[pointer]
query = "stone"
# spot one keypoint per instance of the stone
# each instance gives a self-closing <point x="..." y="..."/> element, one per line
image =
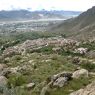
<point x="44" y="90"/>
<point x="30" y="85"/>
<point x="8" y="52"/>
<point x="77" y="92"/>
<point x="91" y="54"/>
<point x="2" y="66"/>
<point x="14" y="70"/>
<point x="76" y="60"/>
<point x="80" y="73"/>
<point x="56" y="49"/>
<point x="3" y="81"/>
<point x="81" y="50"/>
<point x="62" y="74"/>
<point x="60" y="82"/>
<point x="88" y="90"/>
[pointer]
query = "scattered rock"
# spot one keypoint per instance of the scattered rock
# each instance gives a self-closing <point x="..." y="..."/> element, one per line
<point x="32" y="45"/>
<point x="81" y="50"/>
<point x="60" y="82"/>
<point x="76" y="60"/>
<point x="44" y="90"/>
<point x="62" y="74"/>
<point x="79" y="73"/>
<point x="10" y="52"/>
<point x="56" y="49"/>
<point x="3" y="81"/>
<point x="2" y="67"/>
<point x="30" y="85"/>
<point x="9" y="70"/>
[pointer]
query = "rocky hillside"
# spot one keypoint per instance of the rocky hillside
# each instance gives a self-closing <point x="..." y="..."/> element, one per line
<point x="47" y="66"/>
<point x="81" y="27"/>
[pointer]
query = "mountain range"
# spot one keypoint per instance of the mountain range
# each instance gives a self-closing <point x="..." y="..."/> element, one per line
<point x="32" y="15"/>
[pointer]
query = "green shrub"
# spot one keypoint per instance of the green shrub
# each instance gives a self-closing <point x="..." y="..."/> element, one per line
<point x="16" y="80"/>
<point x="89" y="66"/>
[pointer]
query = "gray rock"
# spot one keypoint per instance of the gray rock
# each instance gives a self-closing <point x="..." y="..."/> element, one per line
<point x="30" y="85"/>
<point x="3" y="81"/>
<point x="88" y="90"/>
<point x="44" y="90"/>
<point x="2" y="66"/>
<point x="62" y="74"/>
<point x="76" y="60"/>
<point x="60" y="82"/>
<point x="79" y="73"/>
<point x="81" y="50"/>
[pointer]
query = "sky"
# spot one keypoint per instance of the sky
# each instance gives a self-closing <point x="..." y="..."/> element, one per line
<point x="74" y="5"/>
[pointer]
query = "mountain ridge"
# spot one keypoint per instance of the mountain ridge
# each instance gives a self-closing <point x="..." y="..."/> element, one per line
<point x="26" y="15"/>
<point x="80" y="27"/>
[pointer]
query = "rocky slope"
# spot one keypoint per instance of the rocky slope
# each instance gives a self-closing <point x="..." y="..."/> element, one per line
<point x="81" y="27"/>
<point x="47" y="66"/>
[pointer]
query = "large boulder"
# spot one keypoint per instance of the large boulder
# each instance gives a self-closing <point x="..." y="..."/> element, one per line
<point x="80" y="73"/>
<point x="3" y="81"/>
<point x="81" y="50"/>
<point x="89" y="90"/>
<point x="8" y="52"/>
<point x="62" y="74"/>
<point x="2" y="67"/>
<point x="60" y="82"/>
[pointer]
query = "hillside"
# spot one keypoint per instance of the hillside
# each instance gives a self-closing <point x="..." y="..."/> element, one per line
<point x="81" y="27"/>
<point x="46" y="66"/>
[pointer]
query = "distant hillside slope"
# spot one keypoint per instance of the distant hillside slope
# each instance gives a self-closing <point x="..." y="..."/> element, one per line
<point x="42" y="14"/>
<point x="81" y="27"/>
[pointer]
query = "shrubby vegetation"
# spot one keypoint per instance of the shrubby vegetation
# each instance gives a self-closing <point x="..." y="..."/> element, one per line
<point x="40" y="64"/>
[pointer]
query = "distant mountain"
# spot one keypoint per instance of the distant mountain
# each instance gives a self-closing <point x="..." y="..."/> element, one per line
<point x="81" y="27"/>
<point x="29" y="15"/>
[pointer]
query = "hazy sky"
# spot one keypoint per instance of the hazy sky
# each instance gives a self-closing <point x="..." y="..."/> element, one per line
<point x="77" y="5"/>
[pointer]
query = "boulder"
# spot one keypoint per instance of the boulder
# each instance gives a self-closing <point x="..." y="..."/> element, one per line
<point x="76" y="60"/>
<point x="60" y="82"/>
<point x="14" y="70"/>
<point x="30" y="85"/>
<point x="8" y="71"/>
<point x="44" y="90"/>
<point x="62" y="74"/>
<point x="80" y="73"/>
<point x="2" y="66"/>
<point x="3" y="81"/>
<point x="88" y="90"/>
<point x="81" y="50"/>
<point x="55" y="49"/>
